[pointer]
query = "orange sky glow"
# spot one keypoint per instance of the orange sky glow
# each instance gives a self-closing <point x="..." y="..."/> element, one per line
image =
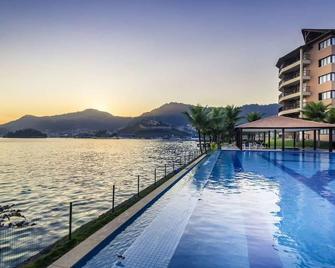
<point x="126" y="58"/>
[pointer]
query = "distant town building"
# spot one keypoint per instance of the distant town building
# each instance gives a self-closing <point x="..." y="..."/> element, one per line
<point x="307" y="73"/>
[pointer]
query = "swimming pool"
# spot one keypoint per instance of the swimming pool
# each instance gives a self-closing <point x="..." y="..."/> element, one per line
<point x="235" y="209"/>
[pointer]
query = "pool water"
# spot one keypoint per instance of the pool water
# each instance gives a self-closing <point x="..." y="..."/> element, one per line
<point x="236" y="209"/>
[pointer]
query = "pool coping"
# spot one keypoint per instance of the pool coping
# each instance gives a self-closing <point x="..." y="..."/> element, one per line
<point x="72" y="257"/>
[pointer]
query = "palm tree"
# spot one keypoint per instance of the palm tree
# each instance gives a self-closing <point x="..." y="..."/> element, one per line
<point x="232" y="116"/>
<point x="315" y="111"/>
<point x="331" y="116"/>
<point x="205" y="126"/>
<point x="216" y="125"/>
<point x="253" y="116"/>
<point x="198" y="118"/>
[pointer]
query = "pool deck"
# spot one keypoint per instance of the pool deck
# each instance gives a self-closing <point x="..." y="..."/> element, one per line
<point x="80" y="251"/>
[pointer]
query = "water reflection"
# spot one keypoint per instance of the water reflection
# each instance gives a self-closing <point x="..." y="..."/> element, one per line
<point x="42" y="176"/>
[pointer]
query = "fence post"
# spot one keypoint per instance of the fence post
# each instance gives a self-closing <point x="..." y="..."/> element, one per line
<point x="138" y="185"/>
<point x="165" y="171"/>
<point x="113" y="198"/>
<point x="155" y="176"/>
<point x="70" y="222"/>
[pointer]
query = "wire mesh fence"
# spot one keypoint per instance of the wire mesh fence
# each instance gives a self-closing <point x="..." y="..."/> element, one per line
<point x="18" y="242"/>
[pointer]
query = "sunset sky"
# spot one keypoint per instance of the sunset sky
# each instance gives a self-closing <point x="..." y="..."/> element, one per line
<point x="127" y="57"/>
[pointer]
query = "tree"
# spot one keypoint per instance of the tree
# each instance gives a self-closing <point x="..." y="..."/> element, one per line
<point x="315" y="111"/>
<point x="232" y="116"/>
<point x="253" y="116"/>
<point x="26" y="133"/>
<point x="331" y="116"/>
<point x="216" y="125"/>
<point x="198" y="117"/>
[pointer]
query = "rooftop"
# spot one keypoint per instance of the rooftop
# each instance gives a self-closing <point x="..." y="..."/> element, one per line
<point x="310" y="36"/>
<point x="279" y="122"/>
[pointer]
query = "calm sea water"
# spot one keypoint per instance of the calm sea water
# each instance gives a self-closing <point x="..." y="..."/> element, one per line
<point x="41" y="177"/>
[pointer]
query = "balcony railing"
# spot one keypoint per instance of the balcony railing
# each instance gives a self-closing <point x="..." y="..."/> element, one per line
<point x="305" y="72"/>
<point x="294" y="90"/>
<point x="291" y="76"/>
<point x="289" y="62"/>
<point x="306" y="56"/>
<point x="287" y="93"/>
<point x="289" y="107"/>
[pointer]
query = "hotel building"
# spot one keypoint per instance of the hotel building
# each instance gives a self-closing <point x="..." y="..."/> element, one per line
<point x="307" y="73"/>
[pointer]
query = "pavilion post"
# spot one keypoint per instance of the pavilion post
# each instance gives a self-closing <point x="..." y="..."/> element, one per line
<point x="239" y="138"/>
<point x="236" y="137"/>
<point x="283" y="139"/>
<point x="318" y="142"/>
<point x="314" y="139"/>
<point x="275" y="139"/>
<point x="269" y="136"/>
<point x="303" y="139"/>
<point x="294" y="138"/>
<point x="264" y="139"/>
<point x="330" y="140"/>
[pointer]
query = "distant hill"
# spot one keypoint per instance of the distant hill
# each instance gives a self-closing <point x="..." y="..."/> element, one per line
<point x="149" y="128"/>
<point x="87" y="120"/>
<point x="170" y="113"/>
<point x="169" y="117"/>
<point x="266" y="110"/>
<point x="3" y="131"/>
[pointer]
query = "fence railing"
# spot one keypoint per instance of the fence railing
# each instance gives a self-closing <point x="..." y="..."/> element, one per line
<point x="19" y="244"/>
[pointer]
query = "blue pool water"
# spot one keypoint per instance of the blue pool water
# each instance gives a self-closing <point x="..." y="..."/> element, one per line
<point x="236" y="209"/>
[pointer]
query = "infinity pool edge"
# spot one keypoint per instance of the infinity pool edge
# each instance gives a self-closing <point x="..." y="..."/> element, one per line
<point x="84" y="248"/>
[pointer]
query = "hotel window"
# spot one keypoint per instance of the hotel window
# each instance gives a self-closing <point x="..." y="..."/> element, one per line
<point x="327" y="95"/>
<point x="327" y="77"/>
<point x="327" y="43"/>
<point x="328" y="60"/>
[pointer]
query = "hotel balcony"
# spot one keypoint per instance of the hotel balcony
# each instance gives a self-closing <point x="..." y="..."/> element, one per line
<point x="289" y="109"/>
<point x="294" y="65"/>
<point x="294" y="79"/>
<point x="293" y="94"/>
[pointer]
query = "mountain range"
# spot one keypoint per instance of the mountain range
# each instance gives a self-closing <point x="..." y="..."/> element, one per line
<point x="164" y="121"/>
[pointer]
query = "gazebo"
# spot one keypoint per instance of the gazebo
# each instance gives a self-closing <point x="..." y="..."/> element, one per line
<point x="282" y="125"/>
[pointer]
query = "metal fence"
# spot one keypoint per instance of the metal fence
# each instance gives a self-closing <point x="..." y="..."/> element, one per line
<point x="17" y="244"/>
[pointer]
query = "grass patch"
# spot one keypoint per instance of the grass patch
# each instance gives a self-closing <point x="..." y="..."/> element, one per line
<point x="289" y="144"/>
<point x="63" y="245"/>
